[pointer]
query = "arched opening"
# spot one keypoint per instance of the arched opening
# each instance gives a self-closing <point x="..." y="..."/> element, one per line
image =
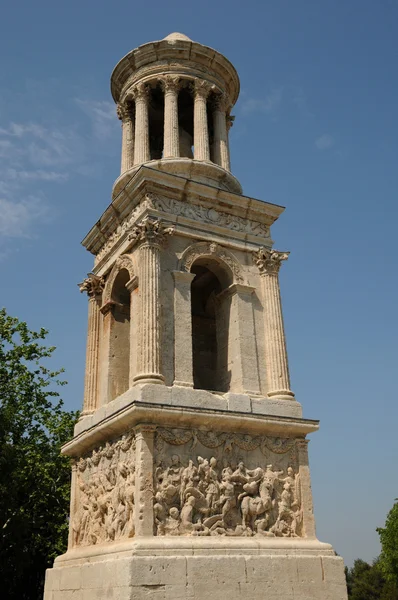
<point x="156" y="122"/>
<point x="185" y="120"/>
<point x="210" y="326"/>
<point x="119" y="340"/>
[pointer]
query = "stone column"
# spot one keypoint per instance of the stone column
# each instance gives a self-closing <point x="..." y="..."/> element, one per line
<point x="305" y="489"/>
<point x="200" y="129"/>
<point x="93" y="285"/>
<point x="245" y="376"/>
<point x="269" y="262"/>
<point x="183" y="367"/>
<point x="221" y="150"/>
<point x="150" y="234"/>
<point x="144" y="492"/>
<point x="125" y="114"/>
<point x="171" y="144"/>
<point x="132" y="287"/>
<point x="142" y="150"/>
<point x="229" y="122"/>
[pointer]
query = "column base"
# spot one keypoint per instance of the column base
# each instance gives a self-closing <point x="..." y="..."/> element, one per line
<point x="149" y="378"/>
<point x="281" y="395"/>
<point x="165" y="569"/>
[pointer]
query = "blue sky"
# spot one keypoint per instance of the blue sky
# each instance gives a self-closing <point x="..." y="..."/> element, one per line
<point x="316" y="131"/>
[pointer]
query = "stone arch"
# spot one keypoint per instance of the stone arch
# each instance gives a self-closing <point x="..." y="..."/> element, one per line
<point x="215" y="252"/>
<point x="123" y="262"/>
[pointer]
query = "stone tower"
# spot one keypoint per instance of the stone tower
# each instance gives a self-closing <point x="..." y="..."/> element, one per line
<point x="190" y="475"/>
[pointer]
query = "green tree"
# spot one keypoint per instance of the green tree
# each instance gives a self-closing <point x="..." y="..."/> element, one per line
<point x="34" y="477"/>
<point x="367" y="582"/>
<point x="389" y="545"/>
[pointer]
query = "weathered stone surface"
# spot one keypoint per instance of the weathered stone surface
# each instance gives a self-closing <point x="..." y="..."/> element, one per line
<point x="190" y="475"/>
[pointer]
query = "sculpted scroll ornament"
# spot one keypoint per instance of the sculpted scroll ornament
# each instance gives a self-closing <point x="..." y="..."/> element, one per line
<point x="92" y="285"/>
<point x="105" y="490"/>
<point x="269" y="261"/>
<point x="220" y="494"/>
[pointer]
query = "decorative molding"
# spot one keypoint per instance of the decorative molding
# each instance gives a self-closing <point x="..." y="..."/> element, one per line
<point x="213" y="250"/>
<point x="269" y="261"/>
<point x="92" y="285"/>
<point x="123" y="262"/>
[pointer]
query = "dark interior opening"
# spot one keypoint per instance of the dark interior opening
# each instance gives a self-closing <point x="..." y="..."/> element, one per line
<point x="185" y="119"/>
<point x="119" y="351"/>
<point x="156" y="122"/>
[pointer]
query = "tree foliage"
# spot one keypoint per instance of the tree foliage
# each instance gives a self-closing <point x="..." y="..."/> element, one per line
<point x="367" y="582"/>
<point x="34" y="477"/>
<point x="389" y="545"/>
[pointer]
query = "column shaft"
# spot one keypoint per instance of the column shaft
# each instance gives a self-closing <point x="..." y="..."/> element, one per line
<point x="275" y="342"/>
<point x="183" y="367"/>
<point x="142" y="149"/>
<point x="92" y="356"/>
<point x="125" y="115"/>
<point x="149" y="355"/>
<point x="144" y="493"/>
<point x="305" y="489"/>
<point x="171" y="144"/>
<point x="221" y="150"/>
<point x="73" y="504"/>
<point x="200" y="128"/>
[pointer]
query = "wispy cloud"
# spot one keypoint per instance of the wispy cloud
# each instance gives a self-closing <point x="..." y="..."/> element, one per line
<point x="18" y="217"/>
<point x="269" y="104"/>
<point x="324" y="142"/>
<point x="102" y="116"/>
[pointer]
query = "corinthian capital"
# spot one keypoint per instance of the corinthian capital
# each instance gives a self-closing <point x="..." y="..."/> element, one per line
<point x="124" y="111"/>
<point x="141" y="91"/>
<point x="202" y="88"/>
<point x="151" y="231"/>
<point x="170" y="83"/>
<point x="230" y="121"/>
<point x="220" y="102"/>
<point x="92" y="285"/>
<point x="269" y="261"/>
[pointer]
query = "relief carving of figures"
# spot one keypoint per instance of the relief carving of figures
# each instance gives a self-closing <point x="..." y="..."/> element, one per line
<point x="105" y="493"/>
<point x="218" y="492"/>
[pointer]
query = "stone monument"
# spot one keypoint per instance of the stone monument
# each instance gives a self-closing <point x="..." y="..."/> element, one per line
<point x="190" y="476"/>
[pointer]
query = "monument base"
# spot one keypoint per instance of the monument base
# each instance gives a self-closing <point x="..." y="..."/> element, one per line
<point x="199" y="569"/>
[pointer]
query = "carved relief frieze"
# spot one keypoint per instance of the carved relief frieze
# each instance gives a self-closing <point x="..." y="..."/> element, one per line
<point x="105" y="489"/>
<point x="211" y="215"/>
<point x="216" y="483"/>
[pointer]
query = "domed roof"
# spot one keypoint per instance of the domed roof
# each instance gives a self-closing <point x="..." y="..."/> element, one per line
<point x="172" y="37"/>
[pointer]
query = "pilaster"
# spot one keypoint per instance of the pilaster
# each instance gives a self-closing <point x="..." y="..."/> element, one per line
<point x="183" y="371"/>
<point x="306" y="491"/>
<point x="144" y="492"/>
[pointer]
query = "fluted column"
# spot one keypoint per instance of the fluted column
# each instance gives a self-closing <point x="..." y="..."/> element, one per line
<point x="150" y="234"/>
<point x="305" y="489"/>
<point x="141" y="146"/>
<point x="221" y="150"/>
<point x="229" y="122"/>
<point x="200" y="128"/>
<point x="269" y="262"/>
<point x="93" y="285"/>
<point x="171" y="143"/>
<point x="125" y="114"/>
